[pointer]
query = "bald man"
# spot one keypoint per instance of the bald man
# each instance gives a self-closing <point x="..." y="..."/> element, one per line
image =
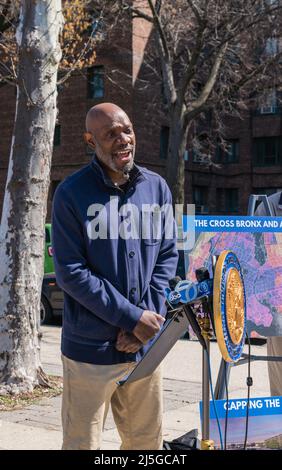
<point x="113" y="274"/>
<point x="116" y="156"/>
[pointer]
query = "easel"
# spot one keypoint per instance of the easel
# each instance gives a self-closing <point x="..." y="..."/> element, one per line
<point x="208" y="297"/>
<point x="224" y="370"/>
<point x="174" y="328"/>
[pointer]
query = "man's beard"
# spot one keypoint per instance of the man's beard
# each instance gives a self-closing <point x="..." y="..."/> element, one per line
<point x="109" y="161"/>
<point x="126" y="169"/>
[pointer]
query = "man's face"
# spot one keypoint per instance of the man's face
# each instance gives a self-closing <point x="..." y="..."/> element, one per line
<point x="115" y="142"/>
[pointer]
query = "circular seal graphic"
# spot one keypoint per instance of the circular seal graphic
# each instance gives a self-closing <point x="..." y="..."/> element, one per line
<point x="229" y="306"/>
<point x="235" y="305"/>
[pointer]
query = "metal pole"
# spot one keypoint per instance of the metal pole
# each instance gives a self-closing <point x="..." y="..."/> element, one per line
<point x="220" y="388"/>
<point x="206" y="443"/>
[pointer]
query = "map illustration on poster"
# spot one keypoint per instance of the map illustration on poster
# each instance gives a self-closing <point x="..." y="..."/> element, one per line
<point x="260" y="255"/>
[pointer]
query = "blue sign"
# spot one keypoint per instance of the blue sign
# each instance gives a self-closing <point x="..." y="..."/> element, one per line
<point x="264" y="426"/>
<point x="216" y="223"/>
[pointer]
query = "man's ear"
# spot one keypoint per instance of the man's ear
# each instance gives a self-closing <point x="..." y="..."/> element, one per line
<point x="87" y="136"/>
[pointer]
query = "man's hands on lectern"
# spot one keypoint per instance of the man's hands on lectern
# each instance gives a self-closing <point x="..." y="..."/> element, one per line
<point x="127" y="342"/>
<point x="148" y="326"/>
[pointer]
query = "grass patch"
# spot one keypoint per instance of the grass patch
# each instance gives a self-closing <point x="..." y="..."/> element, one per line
<point x="17" y="402"/>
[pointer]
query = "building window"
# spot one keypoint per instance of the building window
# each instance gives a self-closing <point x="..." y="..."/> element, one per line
<point x="200" y="199"/>
<point x="272" y="46"/>
<point x="95" y="82"/>
<point x="268" y="102"/>
<point x="233" y="153"/>
<point x="57" y="135"/>
<point x="164" y="139"/>
<point x="227" y="200"/>
<point x="98" y="28"/>
<point x="266" y="191"/>
<point x="229" y="155"/>
<point x="268" y="151"/>
<point x="47" y="235"/>
<point x="54" y="185"/>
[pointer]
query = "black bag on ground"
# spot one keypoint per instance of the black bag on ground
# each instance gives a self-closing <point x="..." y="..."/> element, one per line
<point x="188" y="441"/>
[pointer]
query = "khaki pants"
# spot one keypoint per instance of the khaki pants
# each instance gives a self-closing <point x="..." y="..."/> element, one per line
<point x="88" y="391"/>
<point x="274" y="348"/>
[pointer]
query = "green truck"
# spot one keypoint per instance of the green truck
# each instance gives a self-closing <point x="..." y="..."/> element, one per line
<point x="48" y="256"/>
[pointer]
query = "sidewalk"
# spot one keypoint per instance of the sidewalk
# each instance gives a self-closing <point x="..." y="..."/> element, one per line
<point x="38" y="426"/>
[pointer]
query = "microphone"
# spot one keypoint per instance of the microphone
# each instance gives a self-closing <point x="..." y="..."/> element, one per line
<point x="202" y="274"/>
<point x="172" y="282"/>
<point x="185" y="291"/>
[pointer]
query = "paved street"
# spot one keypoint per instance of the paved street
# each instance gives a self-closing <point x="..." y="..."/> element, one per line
<point x="38" y="426"/>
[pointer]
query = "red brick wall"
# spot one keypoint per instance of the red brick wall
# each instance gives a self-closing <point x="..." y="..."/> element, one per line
<point x="73" y="105"/>
<point x="134" y="86"/>
<point x="242" y="175"/>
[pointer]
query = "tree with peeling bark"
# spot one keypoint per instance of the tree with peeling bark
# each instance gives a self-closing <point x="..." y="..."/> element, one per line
<point x="24" y="207"/>
<point x="213" y="59"/>
<point x="33" y="36"/>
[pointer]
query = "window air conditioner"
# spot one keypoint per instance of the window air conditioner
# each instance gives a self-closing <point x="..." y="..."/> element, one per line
<point x="201" y="209"/>
<point x="267" y="110"/>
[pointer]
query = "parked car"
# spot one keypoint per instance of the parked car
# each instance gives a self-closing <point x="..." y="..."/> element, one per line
<point x="52" y="299"/>
<point x="48" y="254"/>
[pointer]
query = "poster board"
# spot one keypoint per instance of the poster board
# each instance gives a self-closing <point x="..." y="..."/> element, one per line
<point x="264" y="423"/>
<point x="257" y="242"/>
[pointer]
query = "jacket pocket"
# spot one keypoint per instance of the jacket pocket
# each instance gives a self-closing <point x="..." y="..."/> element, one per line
<point x="89" y="325"/>
<point x="151" y="241"/>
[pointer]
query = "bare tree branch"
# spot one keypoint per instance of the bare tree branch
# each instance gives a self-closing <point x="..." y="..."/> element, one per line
<point x="140" y="14"/>
<point x="190" y="71"/>
<point x="166" y="63"/>
<point x="210" y="82"/>
<point x="196" y="11"/>
<point x="160" y="30"/>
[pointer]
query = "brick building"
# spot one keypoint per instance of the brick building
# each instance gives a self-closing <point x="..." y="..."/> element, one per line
<point x="253" y="164"/>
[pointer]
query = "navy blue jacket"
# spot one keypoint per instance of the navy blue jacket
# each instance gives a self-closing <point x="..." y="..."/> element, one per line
<point x="108" y="280"/>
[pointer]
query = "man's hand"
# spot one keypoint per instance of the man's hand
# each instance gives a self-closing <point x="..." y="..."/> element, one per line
<point x="127" y="342"/>
<point x="148" y="326"/>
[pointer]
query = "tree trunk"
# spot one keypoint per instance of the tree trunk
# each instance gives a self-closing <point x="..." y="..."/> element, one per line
<point x="175" y="168"/>
<point x="25" y="201"/>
